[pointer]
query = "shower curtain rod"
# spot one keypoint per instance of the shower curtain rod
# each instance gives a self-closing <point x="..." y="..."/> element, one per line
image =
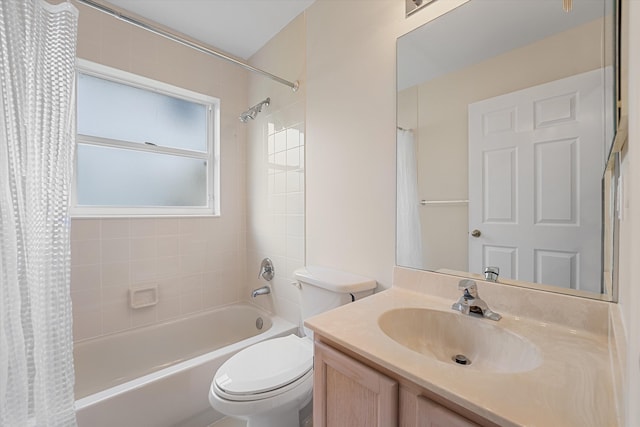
<point x="179" y="39"/>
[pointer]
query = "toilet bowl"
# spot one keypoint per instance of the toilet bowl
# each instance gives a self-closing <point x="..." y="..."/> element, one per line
<point x="270" y="384"/>
<point x="266" y="384"/>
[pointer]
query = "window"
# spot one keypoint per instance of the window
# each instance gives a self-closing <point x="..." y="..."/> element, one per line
<point x="143" y="147"/>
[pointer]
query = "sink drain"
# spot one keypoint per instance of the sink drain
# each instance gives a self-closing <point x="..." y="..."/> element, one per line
<point x="461" y="359"/>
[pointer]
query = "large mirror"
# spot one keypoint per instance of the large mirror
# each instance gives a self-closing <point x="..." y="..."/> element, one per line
<point x="507" y="111"/>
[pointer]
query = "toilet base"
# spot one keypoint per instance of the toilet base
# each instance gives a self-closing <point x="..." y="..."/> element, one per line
<point x="291" y="418"/>
<point x="283" y="419"/>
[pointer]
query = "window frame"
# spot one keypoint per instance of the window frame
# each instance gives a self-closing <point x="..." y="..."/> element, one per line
<point x="211" y="156"/>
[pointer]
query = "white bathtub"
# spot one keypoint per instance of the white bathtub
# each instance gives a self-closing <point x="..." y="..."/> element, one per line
<point x="159" y="376"/>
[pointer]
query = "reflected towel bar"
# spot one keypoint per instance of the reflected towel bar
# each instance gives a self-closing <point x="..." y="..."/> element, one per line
<point x="442" y="202"/>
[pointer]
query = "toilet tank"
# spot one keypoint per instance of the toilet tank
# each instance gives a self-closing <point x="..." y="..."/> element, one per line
<point x="322" y="289"/>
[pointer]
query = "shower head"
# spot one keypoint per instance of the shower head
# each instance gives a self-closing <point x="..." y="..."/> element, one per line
<point x="252" y="112"/>
<point x="244" y="117"/>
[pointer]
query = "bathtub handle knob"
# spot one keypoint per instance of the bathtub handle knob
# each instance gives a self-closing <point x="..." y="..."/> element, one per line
<point x="267" y="271"/>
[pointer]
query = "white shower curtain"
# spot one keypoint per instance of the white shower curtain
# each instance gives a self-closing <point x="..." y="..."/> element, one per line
<point x="37" y="71"/>
<point x="409" y="234"/>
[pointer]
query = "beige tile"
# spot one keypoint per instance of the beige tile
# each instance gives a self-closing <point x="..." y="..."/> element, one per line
<point x="85" y="252"/>
<point x="143" y="248"/>
<point x="168" y="246"/>
<point x="116" y="296"/>
<point x="85" y="277"/>
<point x="143" y="227"/>
<point x="88" y="299"/>
<point x="85" y="229"/>
<point x="191" y="302"/>
<point x="192" y="244"/>
<point x="115" y="228"/>
<point x="143" y="316"/>
<point x="144" y="270"/>
<point x="191" y="264"/>
<point x="86" y="324"/>
<point x="115" y="318"/>
<point x="115" y="250"/>
<point x="190" y="226"/>
<point x="211" y="298"/>
<point x="115" y="274"/>
<point x="168" y="308"/>
<point x="168" y="267"/>
<point x="229" y="295"/>
<point x="190" y="284"/>
<point x="169" y="288"/>
<point x="167" y="226"/>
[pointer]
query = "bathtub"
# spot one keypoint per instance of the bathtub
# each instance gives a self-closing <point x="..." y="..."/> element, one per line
<point x="159" y="376"/>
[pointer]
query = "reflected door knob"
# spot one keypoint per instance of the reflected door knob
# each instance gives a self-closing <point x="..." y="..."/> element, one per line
<point x="476" y="233"/>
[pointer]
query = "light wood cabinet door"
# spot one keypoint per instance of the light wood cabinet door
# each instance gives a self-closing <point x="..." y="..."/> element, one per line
<point x="432" y="414"/>
<point x="347" y="393"/>
<point x="419" y="411"/>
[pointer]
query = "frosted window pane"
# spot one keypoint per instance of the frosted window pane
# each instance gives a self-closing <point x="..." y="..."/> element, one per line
<point x="113" y="110"/>
<point x="119" y="177"/>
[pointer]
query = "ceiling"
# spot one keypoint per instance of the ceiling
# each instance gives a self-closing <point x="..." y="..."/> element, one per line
<point x="427" y="52"/>
<point x="238" y="27"/>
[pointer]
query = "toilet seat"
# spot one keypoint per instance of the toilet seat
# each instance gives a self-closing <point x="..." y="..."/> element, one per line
<point x="266" y="369"/>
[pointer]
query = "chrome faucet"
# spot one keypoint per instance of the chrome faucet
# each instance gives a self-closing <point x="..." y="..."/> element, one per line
<point x="471" y="303"/>
<point x="267" y="270"/>
<point x="261" y="291"/>
<point x="491" y="274"/>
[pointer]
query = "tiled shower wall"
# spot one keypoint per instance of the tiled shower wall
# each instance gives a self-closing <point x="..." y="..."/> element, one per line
<point x="276" y="213"/>
<point x="196" y="264"/>
<point x="276" y="172"/>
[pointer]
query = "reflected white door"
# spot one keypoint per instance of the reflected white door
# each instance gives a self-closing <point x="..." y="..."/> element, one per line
<point x="536" y="158"/>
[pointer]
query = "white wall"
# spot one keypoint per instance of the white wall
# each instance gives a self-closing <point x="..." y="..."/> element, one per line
<point x="351" y="110"/>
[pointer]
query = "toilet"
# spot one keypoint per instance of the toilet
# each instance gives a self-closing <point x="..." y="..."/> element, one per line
<point x="270" y="384"/>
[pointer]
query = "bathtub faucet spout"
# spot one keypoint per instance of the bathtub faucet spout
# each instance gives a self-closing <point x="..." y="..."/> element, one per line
<point x="261" y="291"/>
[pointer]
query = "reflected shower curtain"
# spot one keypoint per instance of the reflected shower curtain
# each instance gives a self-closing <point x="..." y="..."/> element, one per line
<point x="409" y="233"/>
<point x="37" y="71"/>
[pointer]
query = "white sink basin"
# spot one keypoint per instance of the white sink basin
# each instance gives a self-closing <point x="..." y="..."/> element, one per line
<point x="446" y="336"/>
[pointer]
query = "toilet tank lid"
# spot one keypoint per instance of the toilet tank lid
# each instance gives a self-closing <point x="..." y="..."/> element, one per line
<point x="333" y="280"/>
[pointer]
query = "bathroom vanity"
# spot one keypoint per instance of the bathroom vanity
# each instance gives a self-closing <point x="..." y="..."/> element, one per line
<point x="389" y="359"/>
<point x="349" y="392"/>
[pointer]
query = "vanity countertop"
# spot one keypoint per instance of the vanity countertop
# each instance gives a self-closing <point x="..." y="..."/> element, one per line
<point x="573" y="385"/>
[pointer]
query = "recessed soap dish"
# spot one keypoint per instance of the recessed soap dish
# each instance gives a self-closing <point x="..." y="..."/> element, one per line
<point x="143" y="296"/>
